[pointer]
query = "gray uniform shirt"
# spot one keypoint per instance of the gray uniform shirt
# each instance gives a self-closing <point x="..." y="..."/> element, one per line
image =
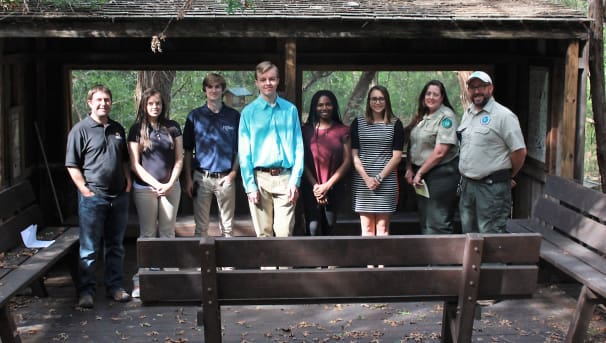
<point x="436" y="128"/>
<point x="488" y="137"/>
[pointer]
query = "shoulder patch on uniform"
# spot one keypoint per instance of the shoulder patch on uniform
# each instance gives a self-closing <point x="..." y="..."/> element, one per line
<point x="446" y="123"/>
<point x="485" y="119"/>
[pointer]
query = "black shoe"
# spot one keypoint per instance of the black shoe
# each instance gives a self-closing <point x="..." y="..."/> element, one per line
<point x="86" y="301"/>
<point x="120" y="295"/>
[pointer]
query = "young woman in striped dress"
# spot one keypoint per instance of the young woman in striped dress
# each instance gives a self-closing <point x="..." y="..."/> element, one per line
<point x="377" y="141"/>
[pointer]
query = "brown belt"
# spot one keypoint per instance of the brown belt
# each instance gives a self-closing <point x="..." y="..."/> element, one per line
<point x="272" y="171"/>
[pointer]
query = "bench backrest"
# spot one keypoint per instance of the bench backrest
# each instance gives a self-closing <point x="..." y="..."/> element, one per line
<point x="574" y="211"/>
<point x="416" y="267"/>
<point x="18" y="210"/>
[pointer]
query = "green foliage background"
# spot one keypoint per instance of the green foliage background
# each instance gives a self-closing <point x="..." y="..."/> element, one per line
<point x="404" y="88"/>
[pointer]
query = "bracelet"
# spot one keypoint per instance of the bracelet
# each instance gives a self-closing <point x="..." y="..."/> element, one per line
<point x="379" y="178"/>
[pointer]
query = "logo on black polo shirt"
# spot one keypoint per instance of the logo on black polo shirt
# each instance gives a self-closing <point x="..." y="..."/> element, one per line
<point x="118" y="136"/>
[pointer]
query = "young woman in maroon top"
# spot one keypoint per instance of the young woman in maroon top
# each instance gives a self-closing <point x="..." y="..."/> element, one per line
<point x="327" y="161"/>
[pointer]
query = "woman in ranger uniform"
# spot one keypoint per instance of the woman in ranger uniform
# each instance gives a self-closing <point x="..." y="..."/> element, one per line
<point x="433" y="159"/>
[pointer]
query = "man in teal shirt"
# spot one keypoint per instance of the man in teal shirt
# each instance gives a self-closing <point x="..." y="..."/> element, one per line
<point x="270" y="148"/>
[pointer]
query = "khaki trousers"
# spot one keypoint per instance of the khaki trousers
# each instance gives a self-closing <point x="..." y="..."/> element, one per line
<point x="226" y="203"/>
<point x="274" y="215"/>
<point x="157" y="215"/>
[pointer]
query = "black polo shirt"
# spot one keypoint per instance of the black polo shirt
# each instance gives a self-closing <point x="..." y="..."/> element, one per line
<point x="99" y="152"/>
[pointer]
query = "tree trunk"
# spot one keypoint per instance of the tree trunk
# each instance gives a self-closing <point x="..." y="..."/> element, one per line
<point x="315" y="77"/>
<point x="358" y="96"/>
<point x="596" y="72"/>
<point x="162" y="80"/>
<point x="462" y="76"/>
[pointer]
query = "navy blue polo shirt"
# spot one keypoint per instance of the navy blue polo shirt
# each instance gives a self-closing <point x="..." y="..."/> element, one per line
<point x="213" y="137"/>
<point x="100" y="153"/>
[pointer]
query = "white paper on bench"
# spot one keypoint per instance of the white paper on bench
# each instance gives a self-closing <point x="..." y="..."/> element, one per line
<point x="30" y="240"/>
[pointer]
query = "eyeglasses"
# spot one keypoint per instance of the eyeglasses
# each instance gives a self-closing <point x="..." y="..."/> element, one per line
<point x="377" y="99"/>
<point x="474" y="88"/>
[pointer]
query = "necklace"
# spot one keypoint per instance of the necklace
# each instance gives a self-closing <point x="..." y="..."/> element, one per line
<point x="325" y="130"/>
<point x="156" y="129"/>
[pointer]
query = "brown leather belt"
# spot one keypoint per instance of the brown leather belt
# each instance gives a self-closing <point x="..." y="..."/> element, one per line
<point x="272" y="171"/>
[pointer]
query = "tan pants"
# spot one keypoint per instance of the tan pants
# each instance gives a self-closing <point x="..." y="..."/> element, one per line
<point x="226" y="203"/>
<point x="274" y="214"/>
<point x="157" y="215"/>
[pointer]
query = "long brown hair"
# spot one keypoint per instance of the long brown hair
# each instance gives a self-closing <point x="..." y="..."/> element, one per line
<point x="388" y="115"/>
<point x="422" y="109"/>
<point x="145" y="142"/>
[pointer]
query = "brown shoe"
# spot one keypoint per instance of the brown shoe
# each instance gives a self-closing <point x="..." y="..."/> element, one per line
<point x="86" y="301"/>
<point x="120" y="295"/>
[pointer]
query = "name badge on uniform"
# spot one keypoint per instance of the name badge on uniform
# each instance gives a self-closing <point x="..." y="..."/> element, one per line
<point x="485" y="119"/>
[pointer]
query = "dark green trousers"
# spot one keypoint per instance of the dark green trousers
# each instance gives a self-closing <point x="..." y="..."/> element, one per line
<point x="484" y="207"/>
<point x="436" y="214"/>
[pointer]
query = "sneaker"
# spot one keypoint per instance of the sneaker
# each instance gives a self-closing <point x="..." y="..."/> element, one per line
<point x="227" y="234"/>
<point x="86" y="301"/>
<point x="136" y="292"/>
<point x="120" y="295"/>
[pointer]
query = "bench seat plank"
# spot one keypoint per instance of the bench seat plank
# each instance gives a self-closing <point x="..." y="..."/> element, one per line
<point x="585" y="199"/>
<point x="36" y="266"/>
<point x="322" y="251"/>
<point x="186" y="286"/>
<point x="571" y="223"/>
<point x="582" y="264"/>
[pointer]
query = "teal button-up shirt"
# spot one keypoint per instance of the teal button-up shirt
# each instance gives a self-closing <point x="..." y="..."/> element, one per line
<point x="270" y="136"/>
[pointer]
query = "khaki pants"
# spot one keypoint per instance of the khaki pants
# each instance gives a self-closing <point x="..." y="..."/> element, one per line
<point x="157" y="215"/>
<point x="274" y="214"/>
<point x="226" y="201"/>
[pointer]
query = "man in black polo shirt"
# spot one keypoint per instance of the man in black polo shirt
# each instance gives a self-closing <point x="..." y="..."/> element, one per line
<point x="97" y="161"/>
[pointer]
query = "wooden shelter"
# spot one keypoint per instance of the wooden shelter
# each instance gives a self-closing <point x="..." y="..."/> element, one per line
<point x="533" y="48"/>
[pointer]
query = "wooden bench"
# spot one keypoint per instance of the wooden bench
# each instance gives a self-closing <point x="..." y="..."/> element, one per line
<point x="456" y="269"/>
<point x="21" y="267"/>
<point x="572" y="220"/>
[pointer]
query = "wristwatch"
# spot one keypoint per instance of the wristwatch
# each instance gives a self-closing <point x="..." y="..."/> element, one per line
<point x="379" y="178"/>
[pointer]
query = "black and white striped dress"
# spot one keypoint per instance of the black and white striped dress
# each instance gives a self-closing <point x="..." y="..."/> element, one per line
<point x="376" y="145"/>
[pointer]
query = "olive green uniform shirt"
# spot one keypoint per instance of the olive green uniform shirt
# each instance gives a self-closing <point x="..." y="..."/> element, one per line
<point x="436" y="128"/>
<point x="488" y="138"/>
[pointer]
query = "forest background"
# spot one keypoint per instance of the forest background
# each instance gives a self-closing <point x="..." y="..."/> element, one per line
<point x="185" y="89"/>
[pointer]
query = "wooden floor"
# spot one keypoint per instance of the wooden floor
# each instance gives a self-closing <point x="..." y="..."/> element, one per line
<point x="544" y="318"/>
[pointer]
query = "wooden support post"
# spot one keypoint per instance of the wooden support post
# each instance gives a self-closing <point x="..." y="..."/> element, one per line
<point x="582" y="316"/>
<point x="290" y="69"/>
<point x="567" y="134"/>
<point x="211" y="312"/>
<point x="8" y="329"/>
<point x="448" y="314"/>
<point x="468" y="291"/>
